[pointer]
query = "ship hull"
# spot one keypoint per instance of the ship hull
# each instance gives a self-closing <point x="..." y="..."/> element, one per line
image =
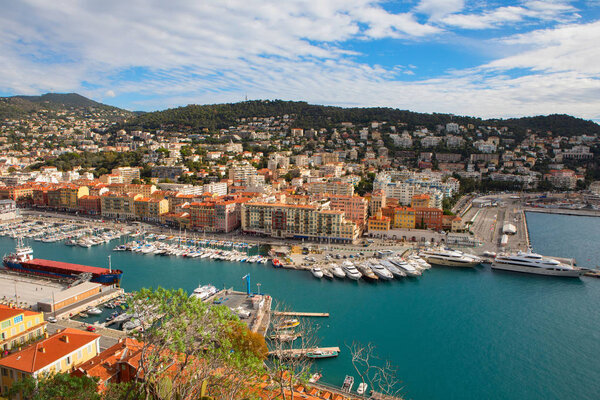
<point x="105" y="279"/>
<point x="575" y="273"/>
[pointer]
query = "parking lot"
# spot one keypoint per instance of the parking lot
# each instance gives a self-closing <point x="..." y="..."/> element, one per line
<point x="26" y="291"/>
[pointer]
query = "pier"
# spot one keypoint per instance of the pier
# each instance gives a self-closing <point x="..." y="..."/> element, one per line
<point x="302" y="352"/>
<point x="299" y="314"/>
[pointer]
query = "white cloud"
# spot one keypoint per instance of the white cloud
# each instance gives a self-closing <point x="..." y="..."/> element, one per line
<point x="208" y="52"/>
<point x="437" y="9"/>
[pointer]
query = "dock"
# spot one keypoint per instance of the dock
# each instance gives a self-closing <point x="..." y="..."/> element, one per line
<point x="302" y="352"/>
<point x="299" y="314"/>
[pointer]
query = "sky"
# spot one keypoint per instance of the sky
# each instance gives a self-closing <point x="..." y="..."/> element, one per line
<point x="466" y="57"/>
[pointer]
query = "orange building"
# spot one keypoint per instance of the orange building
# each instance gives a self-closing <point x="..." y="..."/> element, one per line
<point x="428" y="218"/>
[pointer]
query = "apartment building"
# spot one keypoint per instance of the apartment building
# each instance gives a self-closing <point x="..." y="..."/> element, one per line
<point x="58" y="353"/>
<point x="330" y="187"/>
<point x="90" y="205"/>
<point x="312" y="222"/>
<point x="128" y="174"/>
<point x="428" y="218"/>
<point x="121" y="206"/>
<point x="149" y="209"/>
<point x="355" y="207"/>
<point x="122" y="188"/>
<point x="18" y="326"/>
<point x="401" y="217"/>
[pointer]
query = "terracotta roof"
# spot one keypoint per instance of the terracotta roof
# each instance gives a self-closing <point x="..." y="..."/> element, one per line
<point x="47" y="351"/>
<point x="7" y="312"/>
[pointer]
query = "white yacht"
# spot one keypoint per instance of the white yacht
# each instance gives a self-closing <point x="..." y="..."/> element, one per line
<point x="317" y="272"/>
<point x="450" y="258"/>
<point x="393" y="269"/>
<point x="532" y="263"/>
<point x="337" y="271"/>
<point x="381" y="271"/>
<point x="409" y="269"/>
<point x="351" y="271"/>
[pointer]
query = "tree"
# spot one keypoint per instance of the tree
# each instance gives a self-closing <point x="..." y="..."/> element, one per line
<point x="186" y="342"/>
<point x="380" y="375"/>
<point x="284" y="370"/>
<point x="59" y="386"/>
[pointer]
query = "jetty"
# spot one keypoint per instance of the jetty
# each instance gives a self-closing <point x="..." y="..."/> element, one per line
<point x="299" y="314"/>
<point x="292" y="353"/>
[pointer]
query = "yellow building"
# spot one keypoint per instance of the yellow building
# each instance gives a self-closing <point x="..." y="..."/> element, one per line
<point x="404" y="218"/>
<point x="61" y="352"/>
<point x="121" y="206"/>
<point x="148" y="209"/>
<point x="69" y="194"/>
<point x="18" y="326"/>
<point x="421" y="200"/>
<point x="124" y="188"/>
<point x="379" y="223"/>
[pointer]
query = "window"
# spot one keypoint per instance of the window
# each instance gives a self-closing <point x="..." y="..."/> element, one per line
<point x="89" y="348"/>
<point x="57" y="366"/>
<point x="79" y="354"/>
<point x="28" y="324"/>
<point x="18" y="318"/>
<point x="5" y="324"/>
<point x="68" y="360"/>
<point x="4" y="372"/>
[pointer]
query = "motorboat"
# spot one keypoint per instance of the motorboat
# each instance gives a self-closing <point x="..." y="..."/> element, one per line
<point x="322" y="353"/>
<point x="422" y="264"/>
<point x="362" y="388"/>
<point x="288" y="324"/>
<point x="351" y="271"/>
<point x="93" y="311"/>
<point x="348" y="383"/>
<point x="397" y="272"/>
<point x="367" y="272"/>
<point x="449" y="257"/>
<point x="338" y="272"/>
<point x="327" y="273"/>
<point x="533" y="263"/>
<point x="381" y="271"/>
<point x="409" y="269"/>
<point x="317" y="272"/>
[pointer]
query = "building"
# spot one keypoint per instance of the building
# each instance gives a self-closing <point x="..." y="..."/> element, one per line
<point x="420" y="200"/>
<point x="401" y="217"/>
<point x="69" y="196"/>
<point x="298" y="221"/>
<point x="128" y="174"/>
<point x="18" y="326"/>
<point x="168" y="172"/>
<point x="149" y="209"/>
<point x="16" y="193"/>
<point x="330" y="187"/>
<point x="8" y="210"/>
<point x="90" y="205"/>
<point x="378" y="223"/>
<point x="58" y="353"/>
<point x="121" y="206"/>
<point x="123" y="188"/>
<point x="428" y="218"/>
<point x="355" y="207"/>
<point x="71" y="295"/>
<point x="241" y="172"/>
<point x="378" y="201"/>
<point x="219" y="215"/>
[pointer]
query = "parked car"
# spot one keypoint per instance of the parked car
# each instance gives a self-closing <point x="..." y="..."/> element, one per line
<point x="52" y="320"/>
<point x="91" y="328"/>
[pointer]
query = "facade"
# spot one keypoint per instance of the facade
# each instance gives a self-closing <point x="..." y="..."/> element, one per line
<point x="355" y="207"/>
<point x="312" y="222"/>
<point x="128" y="174"/>
<point x="148" y="209"/>
<point x="90" y="205"/>
<point x="379" y="223"/>
<point x="218" y="215"/>
<point x="429" y="218"/>
<point x="378" y="201"/>
<point x="167" y="172"/>
<point x="420" y="200"/>
<point x="121" y="206"/>
<point x="401" y="217"/>
<point x="59" y="353"/>
<point x="330" y="187"/>
<point x="18" y="326"/>
<point x="123" y="188"/>
<point x="69" y="195"/>
<point x="16" y="193"/>
<point x="8" y="210"/>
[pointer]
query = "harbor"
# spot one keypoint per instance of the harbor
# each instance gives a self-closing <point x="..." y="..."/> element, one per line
<point x="439" y="316"/>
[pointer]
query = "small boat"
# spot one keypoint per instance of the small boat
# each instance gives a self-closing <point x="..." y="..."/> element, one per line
<point x="322" y="354"/>
<point x="276" y="263"/>
<point x="94" y="311"/>
<point x="317" y="272"/>
<point x="285" y="336"/>
<point x="348" y="383"/>
<point x="287" y="324"/>
<point x="83" y="315"/>
<point x="315" y="377"/>
<point x="362" y="388"/>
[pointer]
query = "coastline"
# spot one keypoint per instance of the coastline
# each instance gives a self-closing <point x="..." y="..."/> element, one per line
<point x="563" y="211"/>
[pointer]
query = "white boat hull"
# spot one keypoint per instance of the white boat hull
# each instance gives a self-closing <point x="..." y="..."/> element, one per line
<point x="450" y="263"/>
<point x="569" y="273"/>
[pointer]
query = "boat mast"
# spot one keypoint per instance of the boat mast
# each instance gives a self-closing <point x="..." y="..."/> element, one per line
<point x="109" y="266"/>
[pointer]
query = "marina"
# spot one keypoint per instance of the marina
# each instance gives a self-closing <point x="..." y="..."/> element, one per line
<point x="445" y="319"/>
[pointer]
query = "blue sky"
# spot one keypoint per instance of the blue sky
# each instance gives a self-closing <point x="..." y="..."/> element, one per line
<point x="482" y="58"/>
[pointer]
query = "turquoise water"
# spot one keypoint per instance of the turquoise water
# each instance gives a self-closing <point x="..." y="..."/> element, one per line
<point x="454" y="334"/>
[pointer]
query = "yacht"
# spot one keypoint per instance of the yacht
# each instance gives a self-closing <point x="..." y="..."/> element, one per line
<point x="397" y="272"/>
<point x="367" y="272"/>
<point x="337" y="271"/>
<point x="381" y="271"/>
<point x="317" y="272"/>
<point x="351" y="271"/>
<point x="409" y="269"/>
<point x="450" y="258"/>
<point x="532" y="263"/>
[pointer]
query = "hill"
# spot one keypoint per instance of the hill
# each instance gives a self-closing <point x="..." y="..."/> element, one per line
<point x="219" y="116"/>
<point x="19" y="106"/>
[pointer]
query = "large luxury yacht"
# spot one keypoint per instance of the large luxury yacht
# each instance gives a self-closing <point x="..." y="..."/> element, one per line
<point x="532" y="263"/>
<point x="448" y="257"/>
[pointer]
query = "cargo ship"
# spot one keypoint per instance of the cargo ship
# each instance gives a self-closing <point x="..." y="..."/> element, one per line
<point x="22" y="261"/>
